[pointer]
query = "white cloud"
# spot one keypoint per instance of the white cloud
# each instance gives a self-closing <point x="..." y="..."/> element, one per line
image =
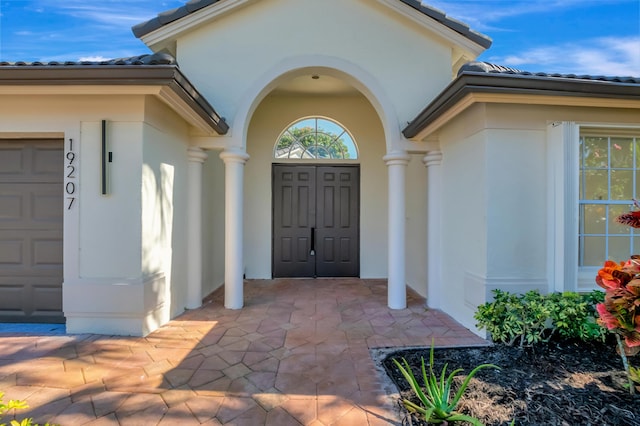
<point x="485" y="15"/>
<point x="93" y="58"/>
<point x="114" y="13"/>
<point x="611" y="56"/>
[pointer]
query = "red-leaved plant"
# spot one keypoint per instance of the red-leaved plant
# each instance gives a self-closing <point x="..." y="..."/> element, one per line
<point x="620" y="312"/>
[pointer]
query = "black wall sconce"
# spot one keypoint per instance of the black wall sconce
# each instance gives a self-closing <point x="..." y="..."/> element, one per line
<point x="106" y="157"/>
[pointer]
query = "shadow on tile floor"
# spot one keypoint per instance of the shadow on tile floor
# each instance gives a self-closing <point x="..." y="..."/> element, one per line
<point x="296" y="354"/>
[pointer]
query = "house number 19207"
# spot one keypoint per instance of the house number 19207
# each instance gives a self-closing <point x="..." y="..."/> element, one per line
<point x="70" y="172"/>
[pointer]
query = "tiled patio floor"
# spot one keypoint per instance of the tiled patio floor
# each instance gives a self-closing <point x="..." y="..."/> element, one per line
<point x="297" y="354"/>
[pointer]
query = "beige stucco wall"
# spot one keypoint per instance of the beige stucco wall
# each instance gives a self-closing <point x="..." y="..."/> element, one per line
<point x="496" y="212"/>
<point x="274" y="115"/>
<point x="213" y="223"/>
<point x="164" y="201"/>
<point x="124" y="253"/>
<point x="229" y="59"/>
<point x="416" y="232"/>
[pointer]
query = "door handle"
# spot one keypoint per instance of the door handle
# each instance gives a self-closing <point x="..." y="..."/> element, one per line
<point x="313" y="242"/>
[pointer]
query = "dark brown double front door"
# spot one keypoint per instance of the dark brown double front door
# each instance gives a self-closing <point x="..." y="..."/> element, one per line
<point x="316" y="221"/>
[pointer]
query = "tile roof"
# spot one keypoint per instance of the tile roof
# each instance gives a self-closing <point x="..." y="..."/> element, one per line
<point x="483" y="77"/>
<point x="486" y="67"/>
<point x="153" y="59"/>
<point x="158" y="69"/>
<point x="192" y="6"/>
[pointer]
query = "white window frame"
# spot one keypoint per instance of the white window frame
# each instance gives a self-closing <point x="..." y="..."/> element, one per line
<point x="563" y="174"/>
<point x="346" y="131"/>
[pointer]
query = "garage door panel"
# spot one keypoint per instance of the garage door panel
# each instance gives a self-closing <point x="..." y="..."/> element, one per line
<point x="31" y="205"/>
<point x="39" y="252"/>
<point x="11" y="252"/>
<point x="46" y="252"/>
<point x="12" y="160"/>
<point x="46" y="204"/>
<point x="46" y="160"/>
<point x="46" y="299"/>
<point x="12" y="298"/>
<point x="10" y="206"/>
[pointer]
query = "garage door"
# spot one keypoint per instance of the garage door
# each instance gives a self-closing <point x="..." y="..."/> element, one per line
<point x="31" y="208"/>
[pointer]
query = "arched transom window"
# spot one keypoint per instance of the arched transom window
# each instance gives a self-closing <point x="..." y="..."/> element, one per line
<point x="316" y="138"/>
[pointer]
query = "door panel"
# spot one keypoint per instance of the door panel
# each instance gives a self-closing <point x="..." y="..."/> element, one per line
<point x="316" y="221"/>
<point x="294" y="193"/>
<point x="338" y="229"/>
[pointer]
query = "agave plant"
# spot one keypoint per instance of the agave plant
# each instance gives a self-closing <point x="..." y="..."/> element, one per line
<point x="437" y="404"/>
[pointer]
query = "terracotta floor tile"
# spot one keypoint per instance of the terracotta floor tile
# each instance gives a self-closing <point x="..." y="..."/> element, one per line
<point x="297" y="354"/>
<point x="295" y="383"/>
<point x="138" y="402"/>
<point x="174" y="397"/>
<point x="330" y="410"/>
<point x="108" y="420"/>
<point x="179" y="376"/>
<point x="236" y="371"/>
<point x="77" y="413"/>
<point x="269" y="365"/>
<point x="45" y="413"/>
<point x="232" y="357"/>
<point x="201" y="377"/>
<point x="204" y="408"/>
<point x="355" y="416"/>
<point x="280" y="417"/>
<point x="107" y="402"/>
<point x="179" y="415"/>
<point x="86" y="390"/>
<point x="232" y="408"/>
<point x="263" y="380"/>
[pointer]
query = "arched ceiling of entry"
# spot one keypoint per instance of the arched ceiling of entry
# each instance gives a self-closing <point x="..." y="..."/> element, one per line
<point x="315" y="84"/>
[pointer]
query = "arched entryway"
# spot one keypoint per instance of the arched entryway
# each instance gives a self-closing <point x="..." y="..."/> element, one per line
<point x="357" y="101"/>
<point x="316" y="192"/>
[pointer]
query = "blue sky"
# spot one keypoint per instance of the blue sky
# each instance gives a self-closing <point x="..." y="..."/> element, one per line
<point x="580" y="36"/>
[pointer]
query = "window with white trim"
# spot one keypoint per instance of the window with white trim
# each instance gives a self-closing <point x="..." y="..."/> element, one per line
<point x="609" y="179"/>
<point x="316" y="138"/>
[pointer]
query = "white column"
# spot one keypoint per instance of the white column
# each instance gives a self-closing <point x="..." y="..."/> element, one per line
<point x="234" y="160"/>
<point x="396" y="288"/>
<point x="194" y="228"/>
<point x="432" y="160"/>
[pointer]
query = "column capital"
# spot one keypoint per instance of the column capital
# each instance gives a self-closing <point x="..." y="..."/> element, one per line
<point x="397" y="158"/>
<point x="196" y="155"/>
<point x="234" y="155"/>
<point x="433" y="158"/>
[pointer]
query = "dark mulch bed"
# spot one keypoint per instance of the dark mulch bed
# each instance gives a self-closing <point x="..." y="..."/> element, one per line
<point x="553" y="384"/>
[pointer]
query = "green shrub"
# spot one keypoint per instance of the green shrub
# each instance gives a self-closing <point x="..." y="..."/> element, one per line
<point x="573" y="315"/>
<point x="531" y="318"/>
